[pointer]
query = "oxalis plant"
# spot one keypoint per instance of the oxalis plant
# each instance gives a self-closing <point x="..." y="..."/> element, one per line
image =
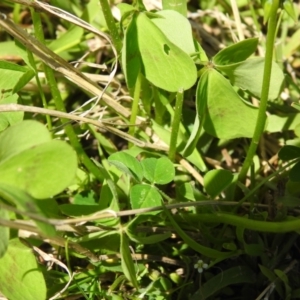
<point x="142" y="223"/>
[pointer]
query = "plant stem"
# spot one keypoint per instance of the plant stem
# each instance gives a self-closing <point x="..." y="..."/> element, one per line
<point x="290" y="224"/>
<point x="110" y="22"/>
<point x="135" y="104"/>
<point x="60" y="106"/>
<point x="261" y="119"/>
<point x="176" y="124"/>
<point x="209" y="252"/>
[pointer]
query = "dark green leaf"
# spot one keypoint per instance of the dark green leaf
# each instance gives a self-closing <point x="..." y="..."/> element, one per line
<point x="295" y="172"/>
<point x="225" y="115"/>
<point x="267" y="273"/>
<point x="289" y="152"/>
<point x="76" y="210"/>
<point x="225" y="278"/>
<point x="151" y="239"/>
<point x="272" y="278"/>
<point x="131" y="58"/>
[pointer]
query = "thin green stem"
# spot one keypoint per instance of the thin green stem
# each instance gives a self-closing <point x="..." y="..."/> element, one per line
<point x="261" y="120"/>
<point x="209" y="252"/>
<point x="291" y="224"/>
<point x="110" y="22"/>
<point x="176" y="124"/>
<point x="60" y="106"/>
<point x="135" y="104"/>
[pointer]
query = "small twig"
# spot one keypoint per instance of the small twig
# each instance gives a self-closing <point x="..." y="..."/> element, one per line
<point x="101" y="124"/>
<point x="190" y="169"/>
<point x="104" y="214"/>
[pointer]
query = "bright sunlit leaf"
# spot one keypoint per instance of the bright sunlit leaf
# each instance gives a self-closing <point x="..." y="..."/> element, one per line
<point x="163" y="63"/>
<point x="40" y="166"/>
<point x="177" y="28"/>
<point x="144" y="195"/>
<point x="248" y="75"/>
<point x="19" y="267"/>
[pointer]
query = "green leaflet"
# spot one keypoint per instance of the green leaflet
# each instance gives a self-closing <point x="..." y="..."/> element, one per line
<point x="19" y="268"/>
<point x="148" y="50"/>
<point x="31" y="161"/>
<point x="225" y="115"/>
<point x="248" y="75"/>
<point x="236" y="53"/>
